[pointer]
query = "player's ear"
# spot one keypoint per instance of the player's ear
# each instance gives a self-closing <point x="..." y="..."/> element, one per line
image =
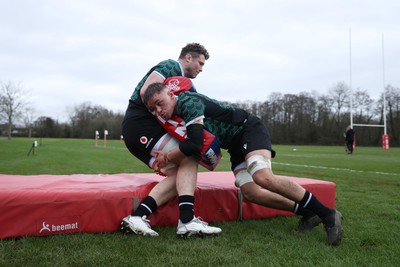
<point x="188" y="57"/>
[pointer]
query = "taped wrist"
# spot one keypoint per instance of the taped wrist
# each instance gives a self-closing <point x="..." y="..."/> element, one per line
<point x="194" y="140"/>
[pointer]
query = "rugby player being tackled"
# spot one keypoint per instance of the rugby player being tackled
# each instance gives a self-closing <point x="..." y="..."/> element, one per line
<point x="247" y="141"/>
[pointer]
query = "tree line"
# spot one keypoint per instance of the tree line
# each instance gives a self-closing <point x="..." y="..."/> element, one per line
<point x="309" y="118"/>
<point x="303" y="119"/>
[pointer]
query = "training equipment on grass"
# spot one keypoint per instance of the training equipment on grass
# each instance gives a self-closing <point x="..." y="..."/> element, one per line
<point x="39" y="205"/>
<point x="33" y="148"/>
<point x="96" y="138"/>
<point x="105" y="138"/>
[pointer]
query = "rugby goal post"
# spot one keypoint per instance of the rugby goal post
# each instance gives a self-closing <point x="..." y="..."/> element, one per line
<point x="385" y="136"/>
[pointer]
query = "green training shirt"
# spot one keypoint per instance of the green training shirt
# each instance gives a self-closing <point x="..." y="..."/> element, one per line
<point x="223" y="120"/>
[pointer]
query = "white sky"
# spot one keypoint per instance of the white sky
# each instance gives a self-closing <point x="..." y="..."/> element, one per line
<point x="68" y="52"/>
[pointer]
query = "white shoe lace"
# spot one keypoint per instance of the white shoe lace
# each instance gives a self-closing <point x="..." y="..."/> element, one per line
<point x="199" y="220"/>
<point x="146" y="221"/>
<point x="143" y="219"/>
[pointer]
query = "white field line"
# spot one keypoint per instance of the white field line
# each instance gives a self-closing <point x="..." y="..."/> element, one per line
<point x="335" y="169"/>
<point x="303" y="165"/>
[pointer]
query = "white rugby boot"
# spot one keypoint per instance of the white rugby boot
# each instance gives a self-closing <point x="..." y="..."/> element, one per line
<point x="196" y="227"/>
<point x="137" y="225"/>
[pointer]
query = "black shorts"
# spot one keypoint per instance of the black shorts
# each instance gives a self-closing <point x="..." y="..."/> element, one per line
<point x="141" y="131"/>
<point x="254" y="136"/>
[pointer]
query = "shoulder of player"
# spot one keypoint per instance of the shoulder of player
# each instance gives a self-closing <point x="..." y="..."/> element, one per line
<point x="168" y="68"/>
<point x="168" y="62"/>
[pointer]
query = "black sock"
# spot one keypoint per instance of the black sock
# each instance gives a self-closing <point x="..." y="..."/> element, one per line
<point x="300" y="210"/>
<point x="310" y="202"/>
<point x="147" y="207"/>
<point x="186" y="208"/>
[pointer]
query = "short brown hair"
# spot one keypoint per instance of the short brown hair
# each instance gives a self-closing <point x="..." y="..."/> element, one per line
<point x="195" y="49"/>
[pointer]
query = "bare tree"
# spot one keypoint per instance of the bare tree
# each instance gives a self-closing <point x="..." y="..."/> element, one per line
<point x="362" y="104"/>
<point x="339" y="97"/>
<point x="13" y="101"/>
<point x="393" y="111"/>
<point x="29" y="117"/>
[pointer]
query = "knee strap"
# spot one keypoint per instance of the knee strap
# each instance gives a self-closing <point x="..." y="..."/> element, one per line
<point x="242" y="178"/>
<point x="257" y="162"/>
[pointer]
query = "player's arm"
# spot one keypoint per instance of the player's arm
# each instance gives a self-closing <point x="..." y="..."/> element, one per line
<point x="194" y="141"/>
<point x="191" y="146"/>
<point x="210" y="153"/>
<point x="154" y="77"/>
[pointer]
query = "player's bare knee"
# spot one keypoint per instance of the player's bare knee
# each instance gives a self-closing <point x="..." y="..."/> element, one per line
<point x="170" y="170"/>
<point x="266" y="180"/>
<point x="250" y="193"/>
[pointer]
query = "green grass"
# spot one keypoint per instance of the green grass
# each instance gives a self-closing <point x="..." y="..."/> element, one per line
<point x="368" y="188"/>
<point x="66" y="156"/>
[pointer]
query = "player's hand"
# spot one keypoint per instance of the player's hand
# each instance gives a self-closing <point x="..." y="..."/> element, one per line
<point x="161" y="160"/>
<point x="160" y="173"/>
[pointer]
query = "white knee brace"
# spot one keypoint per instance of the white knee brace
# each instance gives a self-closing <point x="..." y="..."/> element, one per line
<point x="257" y="162"/>
<point x="242" y="178"/>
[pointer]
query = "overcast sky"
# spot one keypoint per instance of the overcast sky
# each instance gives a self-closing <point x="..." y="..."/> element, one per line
<point x="68" y="52"/>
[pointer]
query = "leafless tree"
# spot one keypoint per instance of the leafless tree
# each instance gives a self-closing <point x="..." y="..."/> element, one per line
<point x="13" y="101"/>
<point x="339" y="96"/>
<point x="393" y="111"/>
<point x="29" y="117"/>
<point x="362" y="104"/>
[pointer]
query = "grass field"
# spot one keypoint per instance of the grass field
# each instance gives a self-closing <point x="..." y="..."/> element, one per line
<point x="368" y="188"/>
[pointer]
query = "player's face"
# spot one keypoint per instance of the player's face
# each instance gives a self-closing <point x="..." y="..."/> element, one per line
<point x="194" y="65"/>
<point x="163" y="104"/>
